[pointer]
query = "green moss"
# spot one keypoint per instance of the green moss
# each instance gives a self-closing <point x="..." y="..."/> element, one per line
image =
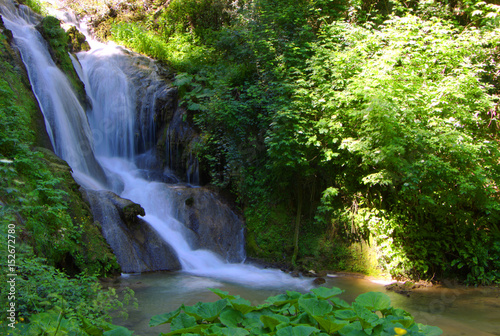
<point x="60" y="43"/>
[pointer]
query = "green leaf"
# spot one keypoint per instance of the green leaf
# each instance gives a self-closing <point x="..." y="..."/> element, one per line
<point x="339" y="303"/>
<point x="231" y="318"/>
<point x="367" y="318"/>
<point x="216" y="330"/>
<point x="223" y="294"/>
<point x="208" y="311"/>
<point x="374" y="301"/>
<point x="118" y="331"/>
<point x="315" y="307"/>
<point x="163" y="318"/>
<point x="346" y="314"/>
<point x="330" y="324"/>
<point x="282" y="299"/>
<point x="197" y="329"/>
<point x="242" y="305"/>
<point x="429" y="330"/>
<point x="297" y="331"/>
<point x="326" y="293"/>
<point x="211" y="310"/>
<point x="182" y="321"/>
<point x="272" y="321"/>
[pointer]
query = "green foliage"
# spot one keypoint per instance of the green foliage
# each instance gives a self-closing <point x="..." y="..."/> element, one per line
<point x="36" y="5"/>
<point x="319" y="312"/>
<point x="48" y="300"/>
<point x="198" y="16"/>
<point x="345" y="121"/>
<point x="410" y="121"/>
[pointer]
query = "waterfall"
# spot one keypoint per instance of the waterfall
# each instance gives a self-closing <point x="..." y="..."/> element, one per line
<point x="104" y="144"/>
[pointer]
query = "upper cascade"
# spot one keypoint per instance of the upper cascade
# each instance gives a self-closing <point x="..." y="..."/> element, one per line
<point x="107" y="147"/>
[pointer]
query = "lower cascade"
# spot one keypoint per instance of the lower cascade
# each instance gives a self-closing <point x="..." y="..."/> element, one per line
<point x="110" y="145"/>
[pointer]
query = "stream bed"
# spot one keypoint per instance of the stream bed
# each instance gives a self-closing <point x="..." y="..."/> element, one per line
<point x="457" y="310"/>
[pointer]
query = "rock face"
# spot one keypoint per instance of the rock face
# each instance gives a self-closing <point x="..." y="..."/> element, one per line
<point x="212" y="224"/>
<point x="137" y="246"/>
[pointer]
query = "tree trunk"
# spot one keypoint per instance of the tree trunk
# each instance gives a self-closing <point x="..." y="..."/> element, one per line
<point x="297" y="226"/>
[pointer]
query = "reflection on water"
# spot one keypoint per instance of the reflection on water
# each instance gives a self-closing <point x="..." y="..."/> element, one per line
<point x="456" y="310"/>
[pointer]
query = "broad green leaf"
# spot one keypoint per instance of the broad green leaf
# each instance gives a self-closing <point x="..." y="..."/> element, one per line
<point x="330" y="324"/>
<point x="345" y="314"/>
<point x="223" y="294"/>
<point x="211" y="310"/>
<point x="163" y="318"/>
<point x="339" y="303"/>
<point x="182" y="321"/>
<point x="326" y="293"/>
<point x="367" y="318"/>
<point x="208" y="311"/>
<point x="217" y="330"/>
<point x="118" y="331"/>
<point x="272" y="321"/>
<point x="282" y="299"/>
<point x="297" y="331"/>
<point x="231" y="318"/>
<point x="374" y="301"/>
<point x="197" y="329"/>
<point x="429" y="330"/>
<point x="242" y="305"/>
<point x="315" y="307"/>
<point x="352" y="329"/>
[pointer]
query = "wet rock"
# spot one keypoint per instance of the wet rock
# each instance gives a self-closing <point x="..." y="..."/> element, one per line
<point x="137" y="246"/>
<point x="401" y="288"/>
<point x="212" y="224"/>
<point x="319" y="281"/>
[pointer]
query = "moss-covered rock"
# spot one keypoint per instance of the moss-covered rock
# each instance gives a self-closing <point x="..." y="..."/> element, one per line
<point x="91" y="252"/>
<point x="76" y="40"/>
<point x="60" y="44"/>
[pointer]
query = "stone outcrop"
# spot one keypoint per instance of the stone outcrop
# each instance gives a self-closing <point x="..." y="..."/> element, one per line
<point x="212" y="224"/>
<point x="137" y="246"/>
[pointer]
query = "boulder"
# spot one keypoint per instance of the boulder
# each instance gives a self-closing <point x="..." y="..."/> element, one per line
<point x="137" y="246"/>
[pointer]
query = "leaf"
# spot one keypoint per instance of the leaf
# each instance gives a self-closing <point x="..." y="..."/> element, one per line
<point x="231" y="318"/>
<point x="197" y="329"/>
<point x="118" y="331"/>
<point x="429" y="330"/>
<point x="315" y="307"/>
<point x="272" y="321"/>
<point x="326" y="293"/>
<point x="339" y="303"/>
<point x="330" y="324"/>
<point x="223" y="294"/>
<point x="297" y="331"/>
<point x="216" y="330"/>
<point x="242" y="305"/>
<point x="182" y="321"/>
<point x="346" y="314"/>
<point x="374" y="301"/>
<point x="283" y="299"/>
<point x="208" y="311"/>
<point x="163" y="318"/>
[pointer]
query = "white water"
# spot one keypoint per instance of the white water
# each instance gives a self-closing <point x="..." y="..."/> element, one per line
<point x="107" y="131"/>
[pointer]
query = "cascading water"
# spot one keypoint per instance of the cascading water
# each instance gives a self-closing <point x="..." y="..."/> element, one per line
<point x="109" y="137"/>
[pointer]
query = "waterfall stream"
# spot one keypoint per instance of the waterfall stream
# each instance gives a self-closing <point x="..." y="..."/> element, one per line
<point x="102" y="144"/>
